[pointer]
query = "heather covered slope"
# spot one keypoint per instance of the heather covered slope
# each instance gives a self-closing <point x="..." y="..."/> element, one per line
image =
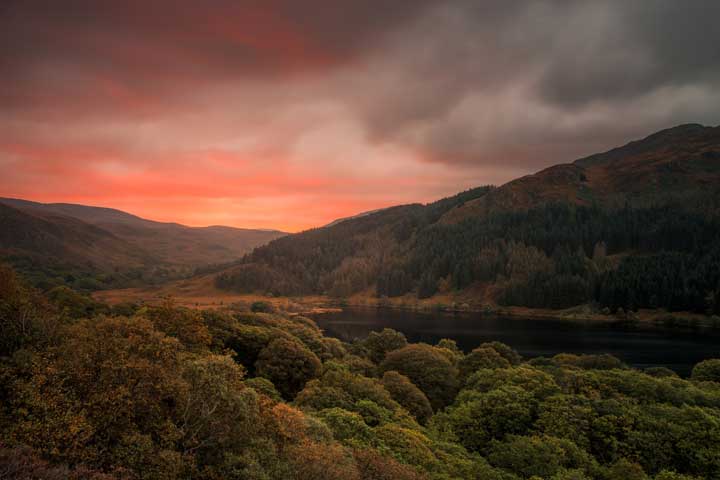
<point x="636" y="227"/>
<point x="169" y="242"/>
<point x="93" y="248"/>
<point x="53" y="248"/>
<point x="676" y="164"/>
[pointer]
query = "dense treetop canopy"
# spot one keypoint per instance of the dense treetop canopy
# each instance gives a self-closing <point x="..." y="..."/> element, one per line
<point x="162" y="392"/>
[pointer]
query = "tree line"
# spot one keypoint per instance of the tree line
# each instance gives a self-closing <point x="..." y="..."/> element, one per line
<point x="554" y="255"/>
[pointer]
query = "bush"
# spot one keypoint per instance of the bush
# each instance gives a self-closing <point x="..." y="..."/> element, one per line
<point x="264" y="386"/>
<point x="661" y="372"/>
<point x="537" y="456"/>
<point x="408" y="395"/>
<point x="378" y="344"/>
<point x="481" y="357"/>
<point x="348" y="427"/>
<point x="427" y="368"/>
<point x="262" y="307"/>
<point x="505" y="351"/>
<point x="707" y="371"/>
<point x="288" y="364"/>
<point x="374" y="466"/>
<point x="488" y="416"/>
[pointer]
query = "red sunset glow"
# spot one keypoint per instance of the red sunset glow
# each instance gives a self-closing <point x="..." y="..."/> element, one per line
<point x="286" y="116"/>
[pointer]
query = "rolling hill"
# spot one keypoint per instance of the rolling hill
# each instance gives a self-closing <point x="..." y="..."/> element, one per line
<point x="48" y="241"/>
<point x="635" y="227"/>
<point x="672" y="164"/>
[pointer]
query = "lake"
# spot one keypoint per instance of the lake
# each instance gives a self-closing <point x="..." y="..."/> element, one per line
<point x="640" y="345"/>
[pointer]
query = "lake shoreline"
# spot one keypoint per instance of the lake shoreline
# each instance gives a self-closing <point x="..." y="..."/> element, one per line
<point x="209" y="297"/>
<point x="639" y="344"/>
<point x="579" y="313"/>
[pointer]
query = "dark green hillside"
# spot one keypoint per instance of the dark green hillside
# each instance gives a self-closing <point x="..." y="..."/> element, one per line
<point x="636" y="227"/>
<point x="340" y="259"/>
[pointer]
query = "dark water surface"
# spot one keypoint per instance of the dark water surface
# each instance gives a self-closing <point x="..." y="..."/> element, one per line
<point x="641" y="346"/>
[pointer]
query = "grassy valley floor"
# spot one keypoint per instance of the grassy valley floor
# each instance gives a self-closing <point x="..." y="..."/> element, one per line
<point x="201" y="293"/>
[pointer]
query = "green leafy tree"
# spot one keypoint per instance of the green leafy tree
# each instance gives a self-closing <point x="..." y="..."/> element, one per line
<point x="347" y="426"/>
<point x="540" y="456"/>
<point x="481" y="358"/>
<point x="26" y="318"/>
<point x="505" y="351"/>
<point x="408" y="395"/>
<point x="707" y="371"/>
<point x="533" y="380"/>
<point x="374" y="466"/>
<point x="288" y="364"/>
<point x="378" y="344"/>
<point x="625" y="469"/>
<point x="484" y="417"/>
<point x="264" y="386"/>
<point x="427" y="368"/>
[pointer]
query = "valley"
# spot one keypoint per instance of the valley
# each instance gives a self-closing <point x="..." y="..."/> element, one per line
<point x="94" y="248"/>
<point x="352" y="240"/>
<point x="633" y="232"/>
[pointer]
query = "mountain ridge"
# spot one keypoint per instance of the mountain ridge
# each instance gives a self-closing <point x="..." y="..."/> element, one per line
<point x="43" y="240"/>
<point x="120" y="216"/>
<point x="569" y="234"/>
<point x="681" y="151"/>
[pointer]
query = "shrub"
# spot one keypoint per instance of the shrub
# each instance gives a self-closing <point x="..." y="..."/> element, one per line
<point x="481" y="357"/>
<point x="408" y="395"/>
<point x="378" y="344"/>
<point x="540" y="456"/>
<point x="262" y="307"/>
<point x="346" y="426"/>
<point x="288" y="364"/>
<point x="488" y="416"/>
<point x="661" y="372"/>
<point x="505" y="351"/>
<point x="374" y="466"/>
<point x="264" y="386"/>
<point x="427" y="368"/>
<point x="707" y="371"/>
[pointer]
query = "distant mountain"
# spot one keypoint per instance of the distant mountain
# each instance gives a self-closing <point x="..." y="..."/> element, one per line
<point x="82" y="238"/>
<point x="52" y="235"/>
<point x="637" y="226"/>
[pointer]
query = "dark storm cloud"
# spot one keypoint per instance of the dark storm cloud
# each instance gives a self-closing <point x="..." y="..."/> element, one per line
<point x="139" y="54"/>
<point x="248" y="37"/>
<point x="531" y="83"/>
<point x="641" y="46"/>
<point x="461" y="82"/>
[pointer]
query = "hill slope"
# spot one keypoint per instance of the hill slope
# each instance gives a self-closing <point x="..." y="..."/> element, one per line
<point x="60" y="236"/>
<point x="637" y="226"/>
<point x="672" y="164"/>
<point x="67" y="240"/>
<point x="168" y="242"/>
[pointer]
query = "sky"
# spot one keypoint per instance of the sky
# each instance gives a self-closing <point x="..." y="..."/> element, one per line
<point x="288" y="114"/>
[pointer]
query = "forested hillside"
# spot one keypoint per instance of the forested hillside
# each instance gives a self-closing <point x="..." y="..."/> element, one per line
<point x="635" y="227"/>
<point x="97" y="392"/>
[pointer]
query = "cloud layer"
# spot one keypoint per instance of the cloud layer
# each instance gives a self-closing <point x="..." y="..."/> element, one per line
<point x="285" y="114"/>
